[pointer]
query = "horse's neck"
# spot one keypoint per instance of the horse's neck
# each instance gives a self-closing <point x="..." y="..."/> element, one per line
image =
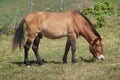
<point x="89" y="35"/>
<point x="87" y="29"/>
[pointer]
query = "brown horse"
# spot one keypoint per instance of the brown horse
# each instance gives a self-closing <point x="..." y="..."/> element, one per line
<point x="55" y="25"/>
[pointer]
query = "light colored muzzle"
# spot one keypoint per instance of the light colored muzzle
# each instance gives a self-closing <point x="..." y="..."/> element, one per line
<point x="100" y="57"/>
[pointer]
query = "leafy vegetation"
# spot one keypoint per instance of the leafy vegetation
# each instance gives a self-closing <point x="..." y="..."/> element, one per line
<point x="100" y="10"/>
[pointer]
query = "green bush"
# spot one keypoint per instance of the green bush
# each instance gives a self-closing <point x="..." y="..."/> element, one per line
<point x="100" y="21"/>
<point x="100" y="10"/>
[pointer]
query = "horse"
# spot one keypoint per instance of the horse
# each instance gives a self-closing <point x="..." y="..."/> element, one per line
<point x="55" y="25"/>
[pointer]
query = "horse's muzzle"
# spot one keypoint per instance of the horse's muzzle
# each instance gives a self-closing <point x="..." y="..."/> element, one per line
<point x="100" y="57"/>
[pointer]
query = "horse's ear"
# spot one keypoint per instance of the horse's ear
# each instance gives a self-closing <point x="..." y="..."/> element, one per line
<point x="101" y="37"/>
<point x="94" y="41"/>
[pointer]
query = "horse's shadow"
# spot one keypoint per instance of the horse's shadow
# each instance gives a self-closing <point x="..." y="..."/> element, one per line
<point x="35" y="62"/>
<point x="90" y="60"/>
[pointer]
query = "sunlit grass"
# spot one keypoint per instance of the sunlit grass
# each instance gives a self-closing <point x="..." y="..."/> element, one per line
<point x="12" y="67"/>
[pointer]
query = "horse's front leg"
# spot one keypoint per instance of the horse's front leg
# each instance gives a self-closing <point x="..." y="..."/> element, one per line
<point x="35" y="49"/>
<point x="67" y="47"/>
<point x="73" y="46"/>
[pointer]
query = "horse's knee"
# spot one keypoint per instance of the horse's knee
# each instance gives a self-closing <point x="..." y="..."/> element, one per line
<point x="26" y="46"/>
<point x="34" y="47"/>
<point x="73" y="48"/>
<point x="73" y="45"/>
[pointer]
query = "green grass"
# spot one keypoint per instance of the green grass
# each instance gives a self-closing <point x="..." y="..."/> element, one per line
<point x="11" y="63"/>
<point x="12" y="67"/>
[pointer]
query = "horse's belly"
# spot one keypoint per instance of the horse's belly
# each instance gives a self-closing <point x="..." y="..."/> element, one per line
<point x="53" y="29"/>
<point x="53" y="34"/>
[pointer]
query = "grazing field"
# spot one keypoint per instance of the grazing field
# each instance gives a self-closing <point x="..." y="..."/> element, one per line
<point x="51" y="51"/>
<point x="86" y="68"/>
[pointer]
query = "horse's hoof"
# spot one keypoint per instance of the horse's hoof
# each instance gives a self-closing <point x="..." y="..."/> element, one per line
<point x="74" y="61"/>
<point x="64" y="62"/>
<point x="28" y="66"/>
<point x="40" y="64"/>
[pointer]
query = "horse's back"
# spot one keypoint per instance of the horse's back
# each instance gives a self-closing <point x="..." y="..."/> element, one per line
<point x="56" y="24"/>
<point x="51" y="24"/>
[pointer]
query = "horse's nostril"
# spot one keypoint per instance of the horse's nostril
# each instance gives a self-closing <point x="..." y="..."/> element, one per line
<point x="101" y="57"/>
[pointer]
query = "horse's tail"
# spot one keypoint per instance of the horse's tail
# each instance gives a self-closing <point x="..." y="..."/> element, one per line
<point x="18" y="38"/>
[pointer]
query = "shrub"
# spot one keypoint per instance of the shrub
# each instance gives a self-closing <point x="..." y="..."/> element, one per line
<point x="100" y="10"/>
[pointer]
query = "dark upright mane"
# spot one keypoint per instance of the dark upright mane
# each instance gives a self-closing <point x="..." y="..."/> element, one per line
<point x="91" y="25"/>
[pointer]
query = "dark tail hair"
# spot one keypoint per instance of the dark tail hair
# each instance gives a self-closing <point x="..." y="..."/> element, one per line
<point x="18" y="38"/>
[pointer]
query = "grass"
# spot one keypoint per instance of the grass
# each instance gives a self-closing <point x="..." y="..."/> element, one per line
<point x="86" y="68"/>
<point x="12" y="67"/>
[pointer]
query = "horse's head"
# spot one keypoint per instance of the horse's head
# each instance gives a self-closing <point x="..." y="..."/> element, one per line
<point x="96" y="48"/>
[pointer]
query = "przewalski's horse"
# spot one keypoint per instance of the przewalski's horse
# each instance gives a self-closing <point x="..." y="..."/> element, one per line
<point x="54" y="25"/>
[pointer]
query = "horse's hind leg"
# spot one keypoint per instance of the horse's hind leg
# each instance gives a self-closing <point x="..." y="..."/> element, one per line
<point x="26" y="49"/>
<point x="35" y="48"/>
<point x="67" y="47"/>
